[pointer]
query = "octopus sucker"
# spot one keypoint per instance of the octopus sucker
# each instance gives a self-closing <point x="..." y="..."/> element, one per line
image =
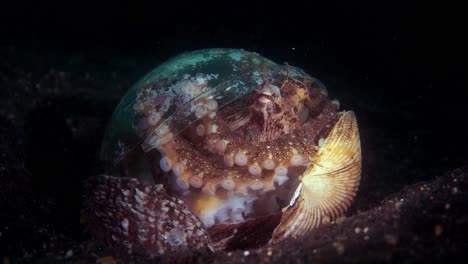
<point x="223" y="148"/>
<point x="228" y="160"/>
<point x="241" y="158"/>
<point x="257" y="185"/>
<point x="333" y="176"/>
<point x="166" y="164"/>
<point x="228" y="184"/>
<point x="196" y="181"/>
<point x="255" y="169"/>
<point x="268" y="164"/>
<point x="183" y="183"/>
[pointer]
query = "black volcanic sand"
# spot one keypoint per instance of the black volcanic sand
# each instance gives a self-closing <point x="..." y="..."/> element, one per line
<point x="411" y="207"/>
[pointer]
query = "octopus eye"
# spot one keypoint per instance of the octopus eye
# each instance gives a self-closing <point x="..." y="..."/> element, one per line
<point x="231" y="139"/>
<point x="265" y="100"/>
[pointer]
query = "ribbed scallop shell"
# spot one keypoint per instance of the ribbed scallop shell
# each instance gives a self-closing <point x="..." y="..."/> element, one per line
<point x="329" y="185"/>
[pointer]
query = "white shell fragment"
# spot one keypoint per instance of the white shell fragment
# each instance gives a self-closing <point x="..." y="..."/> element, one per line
<point x="328" y="185"/>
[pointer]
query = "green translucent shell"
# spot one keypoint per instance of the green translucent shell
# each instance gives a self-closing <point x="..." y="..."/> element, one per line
<point x="166" y="98"/>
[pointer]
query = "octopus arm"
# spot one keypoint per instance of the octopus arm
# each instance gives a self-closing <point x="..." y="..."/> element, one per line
<point x="329" y="185"/>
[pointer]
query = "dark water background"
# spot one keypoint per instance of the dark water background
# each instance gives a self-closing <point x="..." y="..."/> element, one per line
<point x="399" y="66"/>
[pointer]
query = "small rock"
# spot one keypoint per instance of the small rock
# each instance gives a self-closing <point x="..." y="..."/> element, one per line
<point x="340" y="248"/>
<point x="340" y="220"/>
<point x="269" y="252"/>
<point x="357" y="230"/>
<point x="326" y="220"/>
<point x="391" y="239"/>
<point x="438" y="229"/>
<point x="454" y="190"/>
<point x="398" y="205"/>
<point x="106" y="260"/>
<point x="69" y="253"/>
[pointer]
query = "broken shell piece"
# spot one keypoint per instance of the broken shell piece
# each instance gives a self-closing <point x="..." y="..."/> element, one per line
<point x="329" y="185"/>
<point x="134" y="228"/>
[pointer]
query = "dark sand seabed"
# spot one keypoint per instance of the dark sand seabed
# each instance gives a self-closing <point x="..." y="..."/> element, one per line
<point x="399" y="68"/>
<point x="411" y="206"/>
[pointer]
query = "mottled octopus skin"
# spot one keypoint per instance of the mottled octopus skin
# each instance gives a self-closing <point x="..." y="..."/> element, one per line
<point x="221" y="173"/>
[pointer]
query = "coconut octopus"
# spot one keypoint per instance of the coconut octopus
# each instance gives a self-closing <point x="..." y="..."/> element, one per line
<point x="225" y="149"/>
